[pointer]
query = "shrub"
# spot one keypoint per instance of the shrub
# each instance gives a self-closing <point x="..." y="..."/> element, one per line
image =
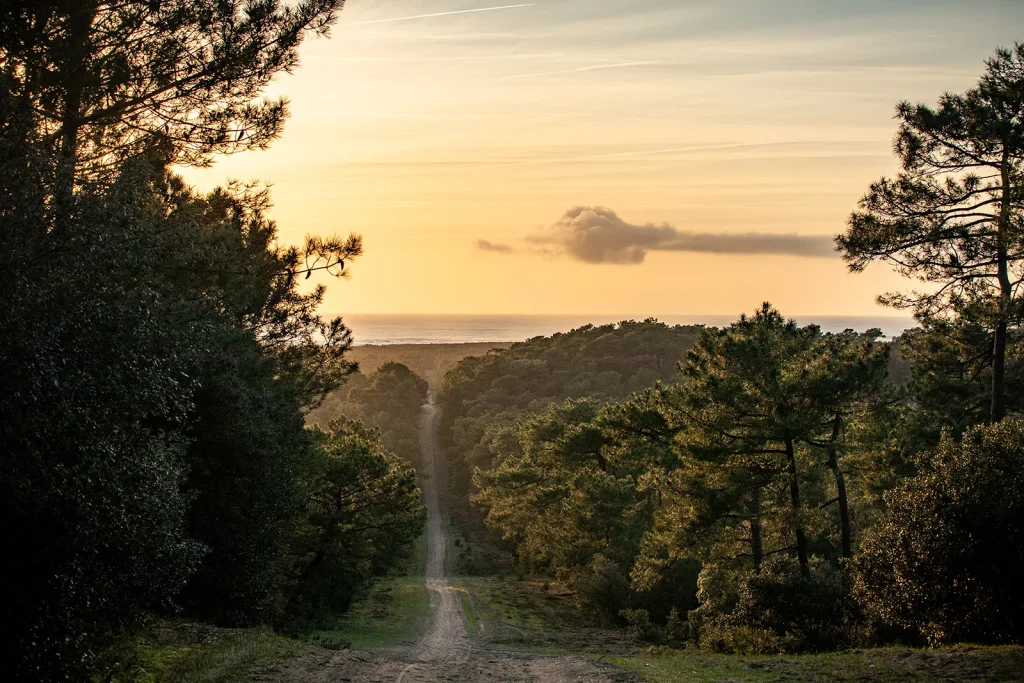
<point x="639" y="621"/>
<point x="603" y="589"/>
<point x="779" y="609"/>
<point x="675" y="627"/>
<point x="944" y="563"/>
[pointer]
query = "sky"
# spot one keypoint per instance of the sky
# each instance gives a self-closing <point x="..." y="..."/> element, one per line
<point x="606" y="157"/>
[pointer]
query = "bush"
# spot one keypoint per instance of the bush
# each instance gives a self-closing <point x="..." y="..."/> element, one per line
<point x="603" y="589"/>
<point x="944" y="564"/>
<point x="676" y="630"/>
<point x="779" y="610"/>
<point x="639" y="622"/>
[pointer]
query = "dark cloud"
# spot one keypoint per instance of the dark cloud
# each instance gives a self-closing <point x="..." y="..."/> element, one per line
<point x="595" y="234"/>
<point x="484" y="245"/>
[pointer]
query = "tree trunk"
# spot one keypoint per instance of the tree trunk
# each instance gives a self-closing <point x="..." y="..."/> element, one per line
<point x="79" y="22"/>
<point x="845" y="532"/>
<point x="794" y="494"/>
<point x="756" y="540"/>
<point x="998" y="409"/>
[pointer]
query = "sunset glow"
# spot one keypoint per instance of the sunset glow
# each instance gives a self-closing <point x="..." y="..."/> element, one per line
<point x="434" y="128"/>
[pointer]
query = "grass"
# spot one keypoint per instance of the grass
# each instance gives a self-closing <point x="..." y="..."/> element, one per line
<point x="530" y="615"/>
<point x="961" y="663"/>
<point x="187" y="652"/>
<point x="393" y="611"/>
<point x="535" y="615"/>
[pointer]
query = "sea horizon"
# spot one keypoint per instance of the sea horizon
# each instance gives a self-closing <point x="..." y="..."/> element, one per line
<point x="385" y="329"/>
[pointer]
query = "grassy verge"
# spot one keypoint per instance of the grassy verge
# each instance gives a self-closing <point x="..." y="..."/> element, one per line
<point x="393" y="611"/>
<point x="187" y="652"/>
<point x="962" y="663"/>
<point x="530" y="614"/>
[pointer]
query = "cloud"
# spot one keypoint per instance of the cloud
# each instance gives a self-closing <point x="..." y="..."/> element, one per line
<point x="437" y="14"/>
<point x="595" y="67"/>
<point x="597" y="235"/>
<point x="484" y="245"/>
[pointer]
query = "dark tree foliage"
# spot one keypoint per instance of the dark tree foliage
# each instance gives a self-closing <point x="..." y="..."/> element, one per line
<point x="147" y="295"/>
<point x="363" y="513"/>
<point x="944" y="562"/>
<point x="248" y="453"/>
<point x="117" y="80"/>
<point x="95" y="387"/>
<point x="953" y="215"/>
<point x="951" y="376"/>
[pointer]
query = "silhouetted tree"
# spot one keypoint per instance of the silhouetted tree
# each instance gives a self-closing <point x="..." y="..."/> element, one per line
<point x="180" y="78"/>
<point x="953" y="215"/>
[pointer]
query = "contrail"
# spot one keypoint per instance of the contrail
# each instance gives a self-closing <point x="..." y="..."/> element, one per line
<point x="469" y="165"/>
<point x="620" y="65"/>
<point x="439" y="14"/>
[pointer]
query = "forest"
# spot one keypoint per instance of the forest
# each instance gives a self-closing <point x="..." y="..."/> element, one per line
<point x="187" y="438"/>
<point x="781" y="489"/>
<point x="159" y="357"/>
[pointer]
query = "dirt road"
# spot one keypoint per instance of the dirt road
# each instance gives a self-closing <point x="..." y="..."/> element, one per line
<point x="444" y="653"/>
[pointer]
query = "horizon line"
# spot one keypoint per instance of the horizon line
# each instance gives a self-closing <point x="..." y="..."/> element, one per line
<point x="610" y="315"/>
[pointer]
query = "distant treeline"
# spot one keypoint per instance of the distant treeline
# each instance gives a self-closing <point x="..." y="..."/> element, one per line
<point x="430" y="361"/>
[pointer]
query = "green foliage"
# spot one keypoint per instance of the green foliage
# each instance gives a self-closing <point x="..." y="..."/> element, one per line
<point x="390" y="399"/>
<point x="430" y="361"/>
<point x="157" y="352"/>
<point x="675" y="627"/>
<point x="95" y="387"/>
<point x="780" y="609"/>
<point x="603" y="588"/>
<point x="364" y="513"/>
<point x="943" y="563"/>
<point x="639" y="623"/>
<point x="247" y="458"/>
<point x="951" y="375"/>
<point x="606" y="363"/>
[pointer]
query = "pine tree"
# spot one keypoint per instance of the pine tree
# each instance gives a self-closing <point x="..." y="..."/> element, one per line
<point x="178" y="79"/>
<point x="953" y="215"/>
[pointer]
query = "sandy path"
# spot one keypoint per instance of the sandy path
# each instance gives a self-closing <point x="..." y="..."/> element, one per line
<point x="443" y="654"/>
<point x="445" y="641"/>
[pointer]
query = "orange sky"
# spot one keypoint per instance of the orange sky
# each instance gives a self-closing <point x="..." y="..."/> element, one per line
<point x="428" y="134"/>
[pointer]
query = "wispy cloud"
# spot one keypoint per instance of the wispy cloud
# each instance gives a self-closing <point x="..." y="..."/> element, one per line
<point x="598" y="235"/>
<point x="438" y="14"/>
<point x="595" y="67"/>
<point x="484" y="245"/>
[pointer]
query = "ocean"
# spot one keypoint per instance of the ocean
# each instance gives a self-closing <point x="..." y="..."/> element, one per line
<point x="455" y="329"/>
